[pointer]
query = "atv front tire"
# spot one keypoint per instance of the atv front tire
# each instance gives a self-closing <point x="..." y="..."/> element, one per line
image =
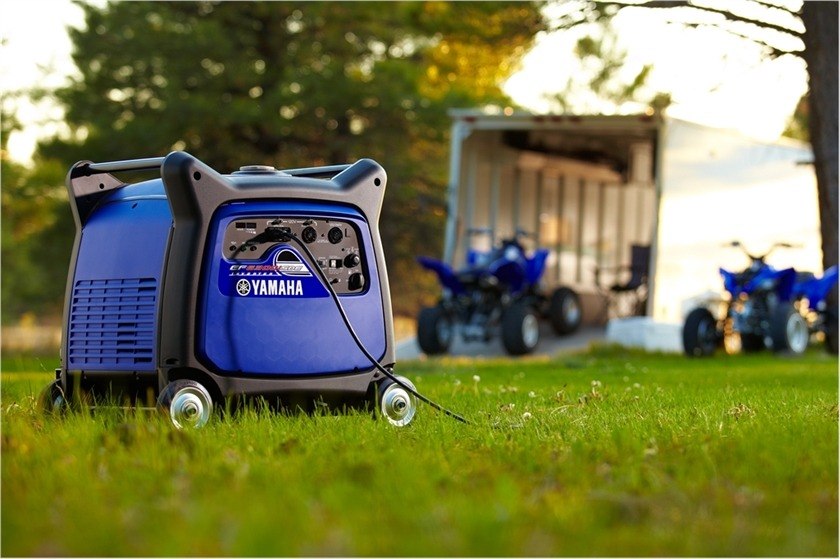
<point x="789" y="330"/>
<point x="700" y="335"/>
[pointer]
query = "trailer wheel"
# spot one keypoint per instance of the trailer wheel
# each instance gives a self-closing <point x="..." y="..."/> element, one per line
<point x="789" y="330"/>
<point x="187" y="403"/>
<point x="700" y="334"/>
<point x="520" y="329"/>
<point x="564" y="311"/>
<point x="434" y="330"/>
<point x="396" y="404"/>
<point x="52" y="401"/>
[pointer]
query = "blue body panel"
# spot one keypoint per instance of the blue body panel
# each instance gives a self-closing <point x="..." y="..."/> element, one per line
<point x="511" y="267"/>
<point x="297" y="335"/>
<point x="116" y="286"/>
<point x="444" y="272"/>
<point x="817" y="289"/>
<point x="783" y="281"/>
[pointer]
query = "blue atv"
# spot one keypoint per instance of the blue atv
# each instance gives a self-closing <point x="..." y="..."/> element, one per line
<point x="816" y="299"/>
<point x="496" y="290"/>
<point x="760" y="312"/>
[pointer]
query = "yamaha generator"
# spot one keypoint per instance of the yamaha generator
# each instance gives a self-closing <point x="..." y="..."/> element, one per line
<point x="195" y="288"/>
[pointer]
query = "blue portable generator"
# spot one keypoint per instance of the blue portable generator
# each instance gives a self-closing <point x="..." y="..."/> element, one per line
<point x="193" y="288"/>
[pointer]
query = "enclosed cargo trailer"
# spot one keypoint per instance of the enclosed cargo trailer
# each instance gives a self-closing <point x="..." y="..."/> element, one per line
<point x="592" y="187"/>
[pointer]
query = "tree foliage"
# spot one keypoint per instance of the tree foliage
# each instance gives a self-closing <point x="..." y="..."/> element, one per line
<point x="296" y="84"/>
<point x="35" y="226"/>
<point x="602" y="84"/>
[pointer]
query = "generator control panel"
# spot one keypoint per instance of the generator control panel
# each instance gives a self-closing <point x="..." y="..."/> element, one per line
<point x="334" y="243"/>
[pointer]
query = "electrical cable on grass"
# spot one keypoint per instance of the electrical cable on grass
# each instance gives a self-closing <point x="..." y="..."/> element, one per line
<point x="284" y="234"/>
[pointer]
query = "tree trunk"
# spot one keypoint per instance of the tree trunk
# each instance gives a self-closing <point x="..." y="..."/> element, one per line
<point x="820" y="19"/>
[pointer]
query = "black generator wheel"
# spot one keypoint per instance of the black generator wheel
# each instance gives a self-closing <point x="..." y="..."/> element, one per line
<point x="520" y="329"/>
<point x="700" y="336"/>
<point x="187" y="403"/>
<point x="565" y="311"/>
<point x="434" y="330"/>
<point x="52" y="400"/>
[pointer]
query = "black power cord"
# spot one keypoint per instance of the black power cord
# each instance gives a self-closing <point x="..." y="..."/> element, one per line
<point x="280" y="234"/>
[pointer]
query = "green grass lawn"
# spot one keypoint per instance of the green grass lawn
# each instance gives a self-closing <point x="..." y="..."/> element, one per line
<point x="607" y="452"/>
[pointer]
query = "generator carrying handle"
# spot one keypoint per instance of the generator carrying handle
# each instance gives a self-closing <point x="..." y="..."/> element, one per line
<point x="147" y="164"/>
<point x="87" y="182"/>
<point x="327" y="171"/>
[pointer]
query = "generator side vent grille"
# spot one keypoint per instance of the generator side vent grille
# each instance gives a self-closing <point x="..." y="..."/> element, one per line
<point x="112" y="323"/>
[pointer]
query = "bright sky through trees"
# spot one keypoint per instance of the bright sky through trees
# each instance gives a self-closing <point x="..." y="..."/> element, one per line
<point x="715" y="78"/>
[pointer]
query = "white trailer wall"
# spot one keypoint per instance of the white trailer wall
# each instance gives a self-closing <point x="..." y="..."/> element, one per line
<point x="718" y="186"/>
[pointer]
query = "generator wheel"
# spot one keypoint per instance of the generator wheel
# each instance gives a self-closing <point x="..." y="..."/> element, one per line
<point x="789" y="330"/>
<point x="700" y="336"/>
<point x="520" y="329"/>
<point x="564" y="311"/>
<point x="397" y="404"/>
<point x="434" y="330"/>
<point x="52" y="400"/>
<point x="187" y="403"/>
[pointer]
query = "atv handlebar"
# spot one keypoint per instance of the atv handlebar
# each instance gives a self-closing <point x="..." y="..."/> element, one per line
<point x="761" y="258"/>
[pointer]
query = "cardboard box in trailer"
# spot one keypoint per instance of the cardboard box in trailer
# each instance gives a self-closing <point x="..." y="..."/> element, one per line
<point x="592" y="187"/>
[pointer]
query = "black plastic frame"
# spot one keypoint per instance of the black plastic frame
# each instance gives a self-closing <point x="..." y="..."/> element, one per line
<point x="195" y="191"/>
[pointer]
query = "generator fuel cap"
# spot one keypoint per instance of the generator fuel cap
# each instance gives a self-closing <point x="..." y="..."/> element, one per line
<point x="258" y="170"/>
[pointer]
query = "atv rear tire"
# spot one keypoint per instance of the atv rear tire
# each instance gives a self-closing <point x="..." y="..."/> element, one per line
<point x="564" y="311"/>
<point x="700" y="335"/>
<point x="434" y="330"/>
<point x="789" y="330"/>
<point x="750" y="343"/>
<point x="520" y="329"/>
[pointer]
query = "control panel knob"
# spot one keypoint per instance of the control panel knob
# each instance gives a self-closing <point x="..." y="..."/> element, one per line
<point x="352" y="260"/>
<point x="356" y="282"/>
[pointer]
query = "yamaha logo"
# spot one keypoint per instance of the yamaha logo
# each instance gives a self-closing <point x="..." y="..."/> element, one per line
<point x="243" y="287"/>
<point x="283" y="276"/>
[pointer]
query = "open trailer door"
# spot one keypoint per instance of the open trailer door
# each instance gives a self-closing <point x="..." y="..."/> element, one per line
<point x="585" y="187"/>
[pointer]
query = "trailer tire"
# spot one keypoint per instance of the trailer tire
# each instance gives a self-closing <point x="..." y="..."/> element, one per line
<point x="434" y="330"/>
<point x="564" y="311"/>
<point x="520" y="329"/>
<point x="700" y="336"/>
